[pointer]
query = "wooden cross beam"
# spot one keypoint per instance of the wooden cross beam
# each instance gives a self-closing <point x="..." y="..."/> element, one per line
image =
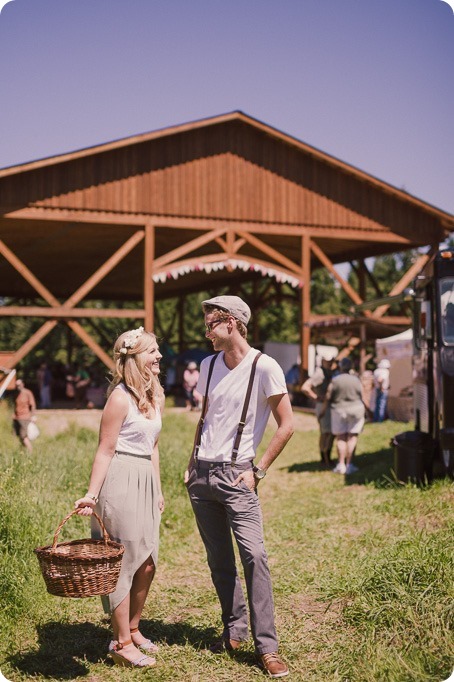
<point x="70" y="303"/>
<point x="323" y="258"/>
<point x="408" y="277"/>
<point x="272" y="253"/>
<point x="362" y="269"/>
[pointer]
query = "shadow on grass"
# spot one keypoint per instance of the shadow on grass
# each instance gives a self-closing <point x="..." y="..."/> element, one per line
<point x="200" y="638"/>
<point x="307" y="466"/>
<point x="373" y="467"/>
<point x="177" y="633"/>
<point x="65" y="650"/>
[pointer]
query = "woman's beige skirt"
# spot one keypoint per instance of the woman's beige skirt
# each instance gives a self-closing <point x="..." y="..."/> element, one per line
<point x="128" y="506"/>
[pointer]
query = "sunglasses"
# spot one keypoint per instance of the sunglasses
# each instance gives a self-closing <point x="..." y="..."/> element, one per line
<point x="211" y="325"/>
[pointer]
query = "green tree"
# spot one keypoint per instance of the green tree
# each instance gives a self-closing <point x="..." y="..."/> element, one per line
<point x="325" y="298"/>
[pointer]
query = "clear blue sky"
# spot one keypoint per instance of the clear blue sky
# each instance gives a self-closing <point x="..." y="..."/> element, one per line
<point x="368" y="82"/>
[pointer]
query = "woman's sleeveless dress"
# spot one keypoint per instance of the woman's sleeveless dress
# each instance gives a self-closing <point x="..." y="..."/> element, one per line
<point x="128" y="500"/>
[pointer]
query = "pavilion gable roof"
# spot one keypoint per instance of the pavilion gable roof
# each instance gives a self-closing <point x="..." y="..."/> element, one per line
<point x="229" y="167"/>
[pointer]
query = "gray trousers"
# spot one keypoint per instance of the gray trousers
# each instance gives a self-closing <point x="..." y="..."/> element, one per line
<point x="220" y="509"/>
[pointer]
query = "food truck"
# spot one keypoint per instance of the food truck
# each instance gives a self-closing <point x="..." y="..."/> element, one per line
<point x="428" y="451"/>
<point x="433" y="357"/>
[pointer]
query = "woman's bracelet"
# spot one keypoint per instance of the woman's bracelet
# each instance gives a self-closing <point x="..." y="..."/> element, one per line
<point x="92" y="497"/>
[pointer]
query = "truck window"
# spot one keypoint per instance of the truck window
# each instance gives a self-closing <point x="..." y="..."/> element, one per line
<point x="446" y="288"/>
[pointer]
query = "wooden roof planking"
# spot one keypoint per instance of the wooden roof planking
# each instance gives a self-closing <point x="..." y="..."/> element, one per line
<point x="64" y="215"/>
<point x="106" y="221"/>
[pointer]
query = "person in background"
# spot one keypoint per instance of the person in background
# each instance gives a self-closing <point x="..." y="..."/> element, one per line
<point x="44" y="378"/>
<point x="125" y="488"/>
<point x="292" y="380"/>
<point x="24" y="413"/>
<point x="171" y="377"/>
<point x="381" y="388"/>
<point x="222" y="480"/>
<point x="190" y="379"/>
<point x="344" y="399"/>
<point x="82" y="381"/>
<point x="367" y="382"/>
<point x="315" y="388"/>
<point x="70" y="390"/>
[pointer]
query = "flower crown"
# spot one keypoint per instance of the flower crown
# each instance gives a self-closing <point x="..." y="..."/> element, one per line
<point x="131" y="339"/>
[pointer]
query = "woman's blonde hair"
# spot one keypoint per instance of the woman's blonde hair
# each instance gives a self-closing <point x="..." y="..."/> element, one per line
<point x="131" y="370"/>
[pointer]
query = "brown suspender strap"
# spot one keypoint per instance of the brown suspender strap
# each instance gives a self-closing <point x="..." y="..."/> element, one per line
<point x="198" y="436"/>
<point x="239" y="433"/>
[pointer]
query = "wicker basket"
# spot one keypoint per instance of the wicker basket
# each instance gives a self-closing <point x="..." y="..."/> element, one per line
<point x="81" y="568"/>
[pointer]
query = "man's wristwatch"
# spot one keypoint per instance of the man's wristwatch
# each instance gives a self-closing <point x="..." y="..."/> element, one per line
<point x="259" y="473"/>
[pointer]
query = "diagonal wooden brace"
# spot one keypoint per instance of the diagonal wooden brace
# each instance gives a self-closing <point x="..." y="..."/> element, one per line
<point x="23" y="270"/>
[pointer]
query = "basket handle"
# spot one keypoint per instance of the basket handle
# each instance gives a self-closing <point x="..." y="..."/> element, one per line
<point x="68" y="516"/>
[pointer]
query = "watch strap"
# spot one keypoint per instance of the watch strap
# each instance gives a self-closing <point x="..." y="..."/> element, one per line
<point x="259" y="473"/>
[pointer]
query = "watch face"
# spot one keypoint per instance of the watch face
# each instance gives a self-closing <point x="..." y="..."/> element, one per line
<point x="259" y="473"/>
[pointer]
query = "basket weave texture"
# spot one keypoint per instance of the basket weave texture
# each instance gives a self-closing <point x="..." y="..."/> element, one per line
<point x="81" y="568"/>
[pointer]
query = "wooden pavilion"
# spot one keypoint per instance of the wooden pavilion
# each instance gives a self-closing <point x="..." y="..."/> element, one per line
<point x="221" y="200"/>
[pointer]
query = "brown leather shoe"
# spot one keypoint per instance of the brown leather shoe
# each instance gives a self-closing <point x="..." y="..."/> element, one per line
<point x="225" y="645"/>
<point x="274" y="665"/>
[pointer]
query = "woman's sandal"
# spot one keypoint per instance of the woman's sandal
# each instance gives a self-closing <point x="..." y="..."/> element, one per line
<point x="148" y="646"/>
<point x="118" y="659"/>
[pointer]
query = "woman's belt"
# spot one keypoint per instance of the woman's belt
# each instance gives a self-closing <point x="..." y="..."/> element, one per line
<point x="132" y="454"/>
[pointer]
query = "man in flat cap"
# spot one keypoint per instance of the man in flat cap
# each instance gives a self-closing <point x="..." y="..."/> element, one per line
<point x="241" y="387"/>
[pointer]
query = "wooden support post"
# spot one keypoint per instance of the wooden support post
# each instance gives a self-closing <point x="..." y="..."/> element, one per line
<point x="148" y="284"/>
<point x="362" y="329"/>
<point x="305" y="304"/>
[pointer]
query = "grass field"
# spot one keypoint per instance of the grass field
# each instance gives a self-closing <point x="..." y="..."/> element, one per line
<point x="362" y="569"/>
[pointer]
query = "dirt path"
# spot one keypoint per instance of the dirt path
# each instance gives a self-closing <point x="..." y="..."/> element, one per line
<point x="52" y="422"/>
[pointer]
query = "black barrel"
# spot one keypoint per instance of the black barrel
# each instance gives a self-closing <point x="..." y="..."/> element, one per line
<point x="413" y="457"/>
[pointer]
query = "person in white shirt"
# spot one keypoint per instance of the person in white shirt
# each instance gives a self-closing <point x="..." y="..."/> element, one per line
<point x="381" y="386"/>
<point x="222" y="480"/>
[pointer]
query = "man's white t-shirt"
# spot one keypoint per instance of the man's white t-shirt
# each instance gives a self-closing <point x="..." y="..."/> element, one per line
<point x="226" y="395"/>
<point x="381" y="375"/>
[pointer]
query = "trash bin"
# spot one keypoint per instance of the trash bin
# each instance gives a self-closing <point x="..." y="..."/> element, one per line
<point x="413" y="456"/>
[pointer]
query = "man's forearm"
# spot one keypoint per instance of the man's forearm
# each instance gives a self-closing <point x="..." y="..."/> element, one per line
<point x="276" y="445"/>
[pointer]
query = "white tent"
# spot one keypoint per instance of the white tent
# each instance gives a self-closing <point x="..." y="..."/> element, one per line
<point x="398" y="349"/>
<point x="395" y="346"/>
<point x="288" y="354"/>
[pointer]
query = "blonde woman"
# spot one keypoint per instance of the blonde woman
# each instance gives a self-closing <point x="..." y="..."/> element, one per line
<point x="125" y="488"/>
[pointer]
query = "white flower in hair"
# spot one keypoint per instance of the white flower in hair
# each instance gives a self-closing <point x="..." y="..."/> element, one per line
<point x="131" y="339"/>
